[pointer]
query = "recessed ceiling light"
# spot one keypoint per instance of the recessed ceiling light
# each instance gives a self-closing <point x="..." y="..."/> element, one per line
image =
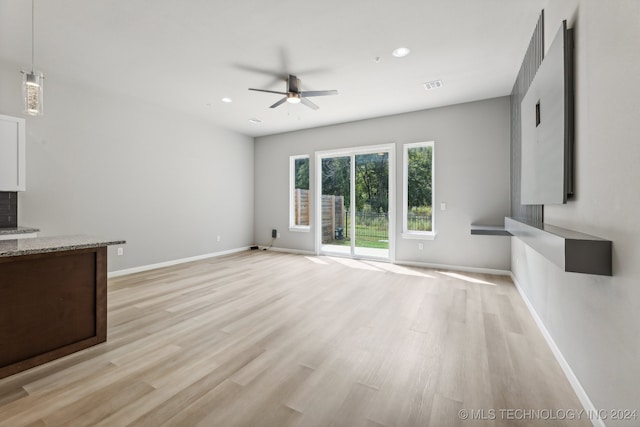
<point x="434" y="84"/>
<point x="227" y="99"/>
<point x="255" y="121"/>
<point x="401" y="52"/>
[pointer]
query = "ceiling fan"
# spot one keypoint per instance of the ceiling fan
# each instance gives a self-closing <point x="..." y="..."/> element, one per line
<point x="294" y="95"/>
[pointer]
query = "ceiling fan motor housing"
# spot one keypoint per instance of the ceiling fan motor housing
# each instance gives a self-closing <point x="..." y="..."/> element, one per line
<point x="293" y="84"/>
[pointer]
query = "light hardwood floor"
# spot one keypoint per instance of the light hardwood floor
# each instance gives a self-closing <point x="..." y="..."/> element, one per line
<point x="269" y="339"/>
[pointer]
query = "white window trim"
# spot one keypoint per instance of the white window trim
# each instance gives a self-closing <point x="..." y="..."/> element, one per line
<point x="300" y="228"/>
<point x="406" y="233"/>
<point x="420" y="235"/>
<point x="292" y="187"/>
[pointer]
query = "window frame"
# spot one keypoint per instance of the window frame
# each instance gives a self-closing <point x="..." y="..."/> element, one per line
<point x="414" y="234"/>
<point x="292" y="187"/>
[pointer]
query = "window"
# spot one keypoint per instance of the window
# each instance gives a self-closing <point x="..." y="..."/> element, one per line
<point x="299" y="193"/>
<point x="418" y="220"/>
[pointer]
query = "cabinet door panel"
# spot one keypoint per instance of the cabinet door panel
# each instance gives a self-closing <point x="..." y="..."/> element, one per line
<point x="12" y="154"/>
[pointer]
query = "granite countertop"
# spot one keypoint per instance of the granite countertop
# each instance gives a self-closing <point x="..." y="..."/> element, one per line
<point x="17" y="230"/>
<point x="39" y="245"/>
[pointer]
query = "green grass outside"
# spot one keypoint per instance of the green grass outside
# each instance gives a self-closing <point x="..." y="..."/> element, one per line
<point x="374" y="234"/>
<point x="375" y="238"/>
<point x="361" y="243"/>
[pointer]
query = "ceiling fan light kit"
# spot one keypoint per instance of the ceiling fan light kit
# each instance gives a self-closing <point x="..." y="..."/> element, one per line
<point x="293" y="98"/>
<point x="294" y="95"/>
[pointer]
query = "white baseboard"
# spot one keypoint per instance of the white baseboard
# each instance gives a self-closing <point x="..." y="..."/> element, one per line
<point x="568" y="372"/>
<point x="142" y="268"/>
<point x="289" y="251"/>
<point x="455" y="268"/>
<point x="408" y="263"/>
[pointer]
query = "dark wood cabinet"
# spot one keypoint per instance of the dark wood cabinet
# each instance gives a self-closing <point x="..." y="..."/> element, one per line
<point x="51" y="305"/>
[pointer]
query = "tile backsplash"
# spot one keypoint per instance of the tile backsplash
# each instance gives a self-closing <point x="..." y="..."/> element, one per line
<point x="8" y="209"/>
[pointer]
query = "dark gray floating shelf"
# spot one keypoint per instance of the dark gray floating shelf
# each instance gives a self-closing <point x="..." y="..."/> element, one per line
<point x="489" y="230"/>
<point x="572" y="251"/>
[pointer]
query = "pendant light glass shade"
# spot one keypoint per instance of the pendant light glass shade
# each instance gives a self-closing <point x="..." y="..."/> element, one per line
<point x="32" y="93"/>
<point x="32" y="81"/>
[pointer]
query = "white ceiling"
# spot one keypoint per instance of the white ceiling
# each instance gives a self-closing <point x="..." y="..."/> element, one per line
<point x="189" y="54"/>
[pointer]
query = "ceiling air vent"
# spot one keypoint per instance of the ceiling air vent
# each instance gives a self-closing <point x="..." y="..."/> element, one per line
<point x="433" y="84"/>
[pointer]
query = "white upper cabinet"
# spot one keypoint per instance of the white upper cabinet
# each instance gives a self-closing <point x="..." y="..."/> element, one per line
<point x="12" y="154"/>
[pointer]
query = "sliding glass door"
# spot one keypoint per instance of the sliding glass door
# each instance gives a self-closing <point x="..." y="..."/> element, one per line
<point x="335" y="204"/>
<point x="371" y="213"/>
<point x="353" y="208"/>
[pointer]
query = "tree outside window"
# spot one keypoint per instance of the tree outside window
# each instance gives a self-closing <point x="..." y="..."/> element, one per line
<point x="418" y="188"/>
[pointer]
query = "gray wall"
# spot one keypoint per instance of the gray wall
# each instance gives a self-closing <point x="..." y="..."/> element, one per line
<point x="117" y="167"/>
<point x="595" y="321"/>
<point x="472" y="177"/>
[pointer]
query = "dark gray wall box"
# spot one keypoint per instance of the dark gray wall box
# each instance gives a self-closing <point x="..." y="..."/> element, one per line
<point x="571" y="251"/>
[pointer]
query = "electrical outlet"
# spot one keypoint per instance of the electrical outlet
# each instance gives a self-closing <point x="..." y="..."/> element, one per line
<point x="120" y="251"/>
<point x="420" y="246"/>
<point x="443" y="206"/>
<point x="278" y="235"/>
<point x="218" y="238"/>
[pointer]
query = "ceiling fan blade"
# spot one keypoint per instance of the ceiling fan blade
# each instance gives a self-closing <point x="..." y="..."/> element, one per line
<point x="269" y="91"/>
<point x="282" y="101"/>
<point x="309" y="103"/>
<point x="311" y="71"/>
<point x="309" y="93"/>
<point x="251" y="69"/>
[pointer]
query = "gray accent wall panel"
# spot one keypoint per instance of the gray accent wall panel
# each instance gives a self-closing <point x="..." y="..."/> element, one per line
<point x="530" y="64"/>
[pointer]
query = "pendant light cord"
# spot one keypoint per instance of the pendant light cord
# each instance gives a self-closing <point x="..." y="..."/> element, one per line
<point x="33" y="43"/>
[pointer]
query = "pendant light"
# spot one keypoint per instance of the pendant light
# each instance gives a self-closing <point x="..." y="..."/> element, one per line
<point x="32" y="81"/>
